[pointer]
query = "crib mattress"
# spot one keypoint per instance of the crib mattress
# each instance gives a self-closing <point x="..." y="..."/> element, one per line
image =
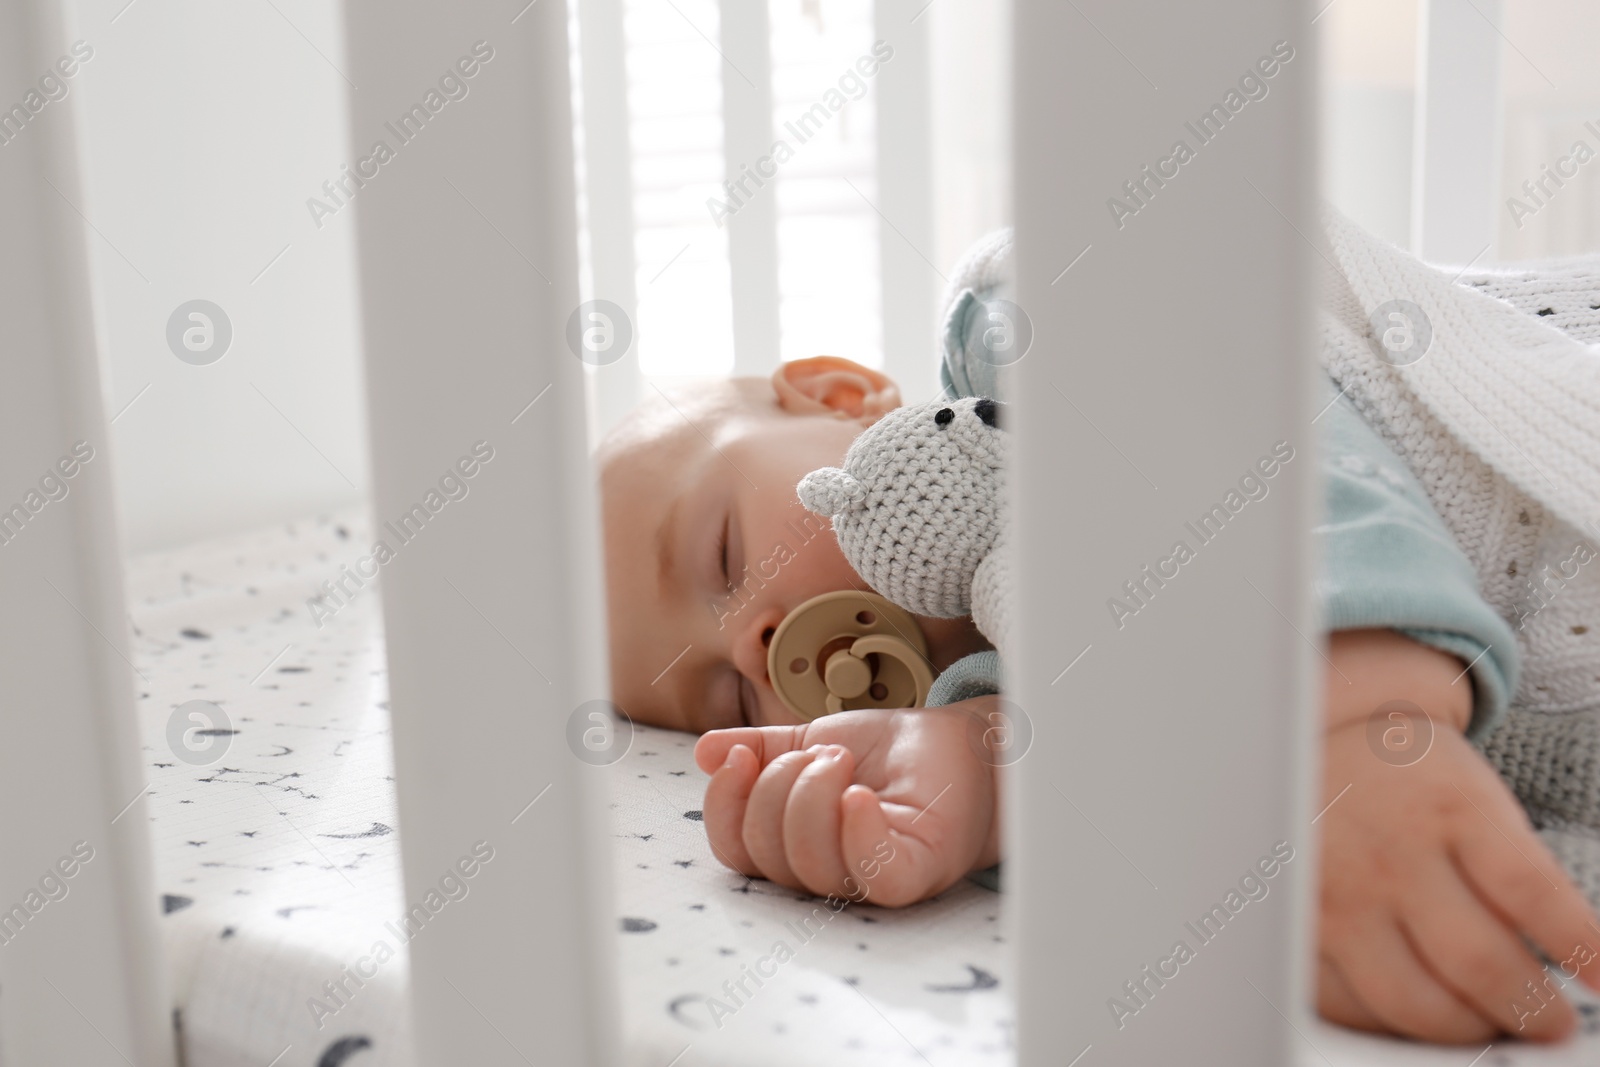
<point x="277" y="859"/>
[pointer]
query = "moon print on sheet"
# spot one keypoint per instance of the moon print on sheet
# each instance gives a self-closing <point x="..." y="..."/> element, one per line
<point x="199" y="733"/>
<point x="981" y="979"/>
<point x="342" y="1050"/>
<point x="377" y="829"/>
<point x="678" y="1002"/>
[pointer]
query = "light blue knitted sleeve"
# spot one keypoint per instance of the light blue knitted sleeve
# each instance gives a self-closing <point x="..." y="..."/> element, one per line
<point x="1387" y="560"/>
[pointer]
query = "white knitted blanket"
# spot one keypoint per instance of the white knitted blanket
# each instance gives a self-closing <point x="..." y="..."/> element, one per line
<point x="1489" y="390"/>
<point x="1507" y="372"/>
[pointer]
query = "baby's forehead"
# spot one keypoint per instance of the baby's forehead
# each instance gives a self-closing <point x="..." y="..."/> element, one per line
<point x="686" y="413"/>
<point x="634" y="470"/>
<point x="656" y="460"/>
<point x="646" y="438"/>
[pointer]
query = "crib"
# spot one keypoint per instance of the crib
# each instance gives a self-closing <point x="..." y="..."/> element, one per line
<point x="1122" y="828"/>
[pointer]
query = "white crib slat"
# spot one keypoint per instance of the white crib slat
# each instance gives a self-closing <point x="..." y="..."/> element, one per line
<point x="746" y="139"/>
<point x="608" y="180"/>
<point x="905" y="196"/>
<point x="1455" y="178"/>
<point x="468" y="258"/>
<point x="81" y="962"/>
<point x="1171" y="755"/>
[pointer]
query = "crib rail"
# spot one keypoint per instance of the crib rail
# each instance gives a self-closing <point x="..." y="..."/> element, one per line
<point x="905" y="195"/>
<point x="608" y="187"/>
<point x="82" y="976"/>
<point x="1171" y="737"/>
<point x="1456" y="159"/>
<point x="468" y="257"/>
<point x="1164" y="361"/>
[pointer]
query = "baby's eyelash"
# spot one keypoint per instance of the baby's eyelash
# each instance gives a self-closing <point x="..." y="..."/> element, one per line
<point x="722" y="553"/>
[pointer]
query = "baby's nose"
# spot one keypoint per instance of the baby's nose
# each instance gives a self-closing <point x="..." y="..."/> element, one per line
<point x="988" y="411"/>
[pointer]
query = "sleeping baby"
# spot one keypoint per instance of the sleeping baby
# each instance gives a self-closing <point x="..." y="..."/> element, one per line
<point x="1430" y="926"/>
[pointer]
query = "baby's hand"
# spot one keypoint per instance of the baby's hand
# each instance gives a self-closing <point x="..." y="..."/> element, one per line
<point x="922" y="811"/>
<point x="1432" y="875"/>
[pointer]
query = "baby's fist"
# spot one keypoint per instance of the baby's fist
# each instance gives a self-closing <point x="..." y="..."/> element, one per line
<point x="887" y="806"/>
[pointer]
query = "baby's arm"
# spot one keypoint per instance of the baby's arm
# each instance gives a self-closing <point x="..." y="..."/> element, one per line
<point x="1389" y="562"/>
<point x="923" y="812"/>
<point x="1432" y="875"/>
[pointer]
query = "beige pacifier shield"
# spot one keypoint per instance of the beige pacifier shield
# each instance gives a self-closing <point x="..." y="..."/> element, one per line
<point x="876" y="656"/>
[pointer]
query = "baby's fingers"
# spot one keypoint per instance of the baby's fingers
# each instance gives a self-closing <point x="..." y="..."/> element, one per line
<point x="1527" y="886"/>
<point x="890" y="868"/>
<point x="1469" y="946"/>
<point x="727" y="796"/>
<point x="1376" y="982"/>
<point x="811" y="822"/>
<point x="1338" y="1003"/>
<point x="763" y="816"/>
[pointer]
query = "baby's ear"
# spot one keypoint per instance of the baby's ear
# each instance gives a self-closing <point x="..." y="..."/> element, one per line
<point x="830" y="491"/>
<point x="823" y="385"/>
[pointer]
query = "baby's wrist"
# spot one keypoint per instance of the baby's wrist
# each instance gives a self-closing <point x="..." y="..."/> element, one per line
<point x="1371" y="668"/>
<point x="990" y="736"/>
<point x="994" y="841"/>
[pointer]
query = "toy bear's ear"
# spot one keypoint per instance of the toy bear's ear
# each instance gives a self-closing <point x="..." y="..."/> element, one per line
<point x="830" y="491"/>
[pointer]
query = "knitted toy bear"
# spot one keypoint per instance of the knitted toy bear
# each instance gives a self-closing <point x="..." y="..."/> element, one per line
<point x="919" y="511"/>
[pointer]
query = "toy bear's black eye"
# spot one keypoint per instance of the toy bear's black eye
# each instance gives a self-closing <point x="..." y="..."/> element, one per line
<point x="944" y="416"/>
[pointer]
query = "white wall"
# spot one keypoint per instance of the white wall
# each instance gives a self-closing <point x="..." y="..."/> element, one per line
<point x="206" y="127"/>
<point x="1368" y="96"/>
<point x="1552" y="87"/>
<point x="1551" y="90"/>
<point x="971" y="48"/>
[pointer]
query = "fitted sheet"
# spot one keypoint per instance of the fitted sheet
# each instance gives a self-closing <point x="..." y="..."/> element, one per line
<point x="276" y="853"/>
<point x="279" y="866"/>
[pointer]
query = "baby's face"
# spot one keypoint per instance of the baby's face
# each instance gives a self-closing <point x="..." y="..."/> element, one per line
<point x="707" y="548"/>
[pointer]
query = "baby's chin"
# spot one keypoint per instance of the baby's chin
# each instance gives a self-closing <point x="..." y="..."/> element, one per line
<point x="628" y="696"/>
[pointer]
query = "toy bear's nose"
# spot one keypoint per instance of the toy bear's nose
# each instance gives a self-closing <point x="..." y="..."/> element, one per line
<point x="989" y="412"/>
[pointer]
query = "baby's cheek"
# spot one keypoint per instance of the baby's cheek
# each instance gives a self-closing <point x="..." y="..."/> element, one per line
<point x="820" y="566"/>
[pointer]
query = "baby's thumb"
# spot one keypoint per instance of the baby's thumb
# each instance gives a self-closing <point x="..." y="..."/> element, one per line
<point x="767" y="742"/>
<point x="889" y="868"/>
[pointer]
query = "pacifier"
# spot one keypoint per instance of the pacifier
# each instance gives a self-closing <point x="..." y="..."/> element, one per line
<point x="848" y="650"/>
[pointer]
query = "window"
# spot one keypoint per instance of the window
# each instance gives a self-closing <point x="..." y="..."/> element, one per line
<point x="829" y="296"/>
